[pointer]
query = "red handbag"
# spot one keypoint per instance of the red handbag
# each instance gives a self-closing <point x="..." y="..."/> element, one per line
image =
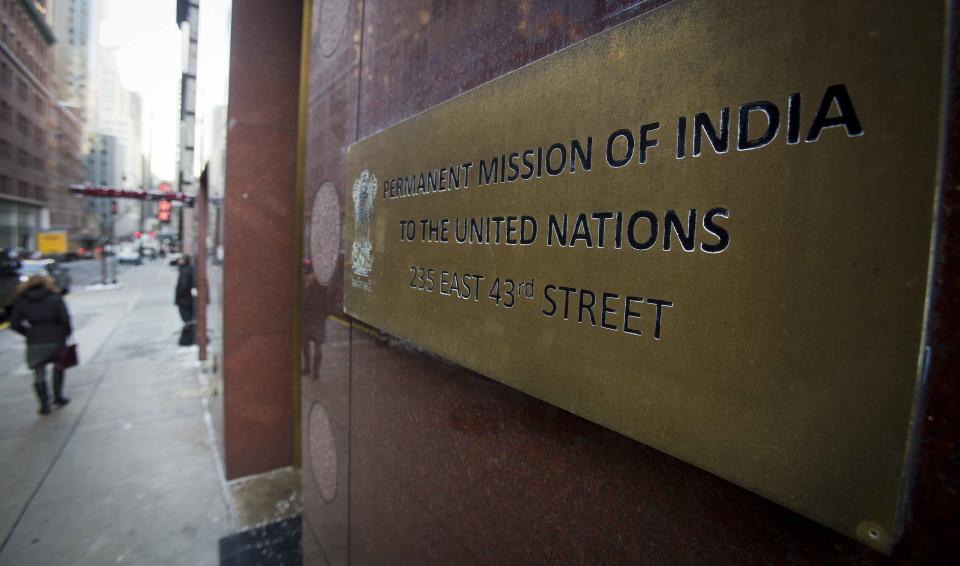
<point x="67" y="357"/>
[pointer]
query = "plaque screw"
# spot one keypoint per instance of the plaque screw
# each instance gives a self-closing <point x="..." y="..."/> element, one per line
<point x="874" y="534"/>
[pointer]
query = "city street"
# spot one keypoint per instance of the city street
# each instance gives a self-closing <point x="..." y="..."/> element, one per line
<point x="128" y="472"/>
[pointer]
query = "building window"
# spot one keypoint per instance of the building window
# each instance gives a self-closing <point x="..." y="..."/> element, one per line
<point x="6" y="74"/>
<point x="4" y="149"/>
<point x="6" y="113"/>
<point x="23" y="125"/>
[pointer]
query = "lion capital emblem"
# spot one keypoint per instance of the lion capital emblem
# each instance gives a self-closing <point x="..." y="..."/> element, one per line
<point x="364" y="195"/>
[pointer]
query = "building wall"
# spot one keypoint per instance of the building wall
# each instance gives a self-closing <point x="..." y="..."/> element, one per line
<point x="25" y="110"/>
<point x="409" y="459"/>
<point x="67" y="211"/>
<point x="259" y="208"/>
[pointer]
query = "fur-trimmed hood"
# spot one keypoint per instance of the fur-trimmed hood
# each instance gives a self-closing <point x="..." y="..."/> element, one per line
<point x="37" y="287"/>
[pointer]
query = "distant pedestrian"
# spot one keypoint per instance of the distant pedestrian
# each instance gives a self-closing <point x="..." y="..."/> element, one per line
<point x="183" y="298"/>
<point x="41" y="315"/>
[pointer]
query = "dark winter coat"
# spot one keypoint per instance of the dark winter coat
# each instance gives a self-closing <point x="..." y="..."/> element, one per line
<point x="184" y="284"/>
<point x="41" y="315"/>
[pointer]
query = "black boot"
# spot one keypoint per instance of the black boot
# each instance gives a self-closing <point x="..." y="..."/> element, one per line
<point x="41" y="388"/>
<point x="58" y="397"/>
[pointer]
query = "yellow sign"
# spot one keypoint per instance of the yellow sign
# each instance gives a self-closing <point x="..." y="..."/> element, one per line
<point x="52" y="243"/>
<point x="708" y="229"/>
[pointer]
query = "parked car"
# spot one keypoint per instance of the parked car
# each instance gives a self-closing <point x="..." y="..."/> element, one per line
<point x="129" y="254"/>
<point x="48" y="267"/>
<point x="9" y="264"/>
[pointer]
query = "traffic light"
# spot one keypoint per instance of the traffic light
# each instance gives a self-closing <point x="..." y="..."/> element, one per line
<point x="163" y="215"/>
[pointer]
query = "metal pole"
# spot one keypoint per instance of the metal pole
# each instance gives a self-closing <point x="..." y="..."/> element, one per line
<point x="113" y="243"/>
<point x="103" y="247"/>
<point x="201" y="268"/>
<point x="103" y="265"/>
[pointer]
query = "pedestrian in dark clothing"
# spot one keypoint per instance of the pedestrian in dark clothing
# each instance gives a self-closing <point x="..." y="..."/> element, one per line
<point x="183" y="298"/>
<point x="41" y="315"/>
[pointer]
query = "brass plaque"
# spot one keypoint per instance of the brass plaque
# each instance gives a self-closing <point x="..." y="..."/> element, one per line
<point x="708" y="228"/>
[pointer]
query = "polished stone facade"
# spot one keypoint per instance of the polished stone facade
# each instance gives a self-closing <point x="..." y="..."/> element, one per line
<point x="259" y="204"/>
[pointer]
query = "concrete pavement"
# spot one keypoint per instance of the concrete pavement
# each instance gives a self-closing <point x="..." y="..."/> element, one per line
<point x="127" y="473"/>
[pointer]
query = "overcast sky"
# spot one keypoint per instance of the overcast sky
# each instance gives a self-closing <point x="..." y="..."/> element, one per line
<point x="149" y="57"/>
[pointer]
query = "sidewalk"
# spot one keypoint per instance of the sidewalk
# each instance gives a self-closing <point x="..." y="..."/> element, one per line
<point x="126" y="473"/>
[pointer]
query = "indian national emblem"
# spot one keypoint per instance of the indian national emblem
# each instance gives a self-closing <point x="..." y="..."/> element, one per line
<point x="364" y="194"/>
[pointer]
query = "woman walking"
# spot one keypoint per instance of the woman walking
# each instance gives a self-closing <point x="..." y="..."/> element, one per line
<point x="41" y="315"/>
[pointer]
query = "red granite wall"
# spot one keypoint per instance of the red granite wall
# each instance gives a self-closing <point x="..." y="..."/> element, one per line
<point x="258" y="269"/>
<point x="408" y="459"/>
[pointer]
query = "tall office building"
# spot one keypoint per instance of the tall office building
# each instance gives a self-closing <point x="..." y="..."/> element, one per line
<point x="113" y="123"/>
<point x="71" y="26"/>
<point x="34" y="130"/>
<point x="70" y="21"/>
<point x="188" y="18"/>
